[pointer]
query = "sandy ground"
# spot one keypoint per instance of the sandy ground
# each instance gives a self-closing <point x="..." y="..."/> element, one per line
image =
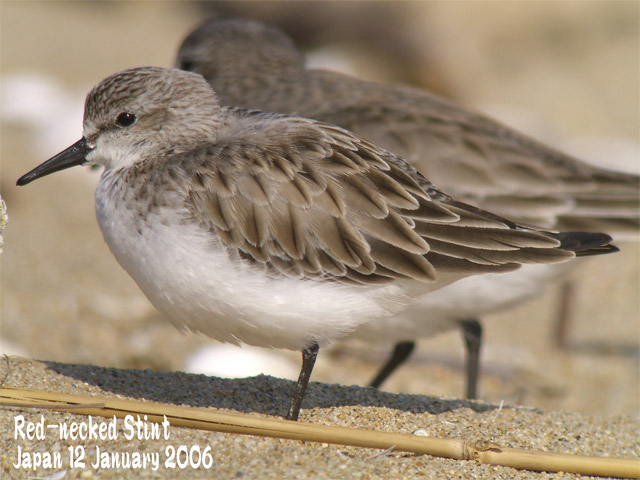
<point x="572" y="68"/>
<point x="236" y="456"/>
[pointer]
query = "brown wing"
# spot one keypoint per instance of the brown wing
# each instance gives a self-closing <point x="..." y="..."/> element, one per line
<point x="486" y="163"/>
<point x="314" y="201"/>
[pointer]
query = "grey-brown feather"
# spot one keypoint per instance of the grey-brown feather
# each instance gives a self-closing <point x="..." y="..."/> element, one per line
<point x="311" y="200"/>
<point x="471" y="156"/>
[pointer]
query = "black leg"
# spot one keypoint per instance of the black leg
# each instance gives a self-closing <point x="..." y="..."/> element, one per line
<point x="401" y="352"/>
<point x="566" y="306"/>
<point x="472" y="331"/>
<point x="309" y="355"/>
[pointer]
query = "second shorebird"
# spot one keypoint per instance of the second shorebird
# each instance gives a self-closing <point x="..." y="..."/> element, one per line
<point x="276" y="231"/>
<point x="468" y="155"/>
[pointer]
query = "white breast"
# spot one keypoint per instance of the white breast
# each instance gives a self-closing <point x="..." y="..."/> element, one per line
<point x="190" y="277"/>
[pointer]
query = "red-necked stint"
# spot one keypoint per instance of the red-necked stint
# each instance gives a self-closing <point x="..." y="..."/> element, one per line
<point x="470" y="156"/>
<point x="272" y="230"/>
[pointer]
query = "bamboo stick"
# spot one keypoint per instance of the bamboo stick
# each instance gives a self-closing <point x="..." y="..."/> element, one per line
<point x="482" y="451"/>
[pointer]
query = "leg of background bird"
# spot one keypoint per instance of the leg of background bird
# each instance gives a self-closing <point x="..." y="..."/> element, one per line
<point x="472" y="331"/>
<point x="401" y="352"/>
<point x="309" y="355"/>
<point x="565" y="314"/>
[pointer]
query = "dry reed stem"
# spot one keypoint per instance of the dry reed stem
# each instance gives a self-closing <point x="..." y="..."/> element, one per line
<point x="482" y="451"/>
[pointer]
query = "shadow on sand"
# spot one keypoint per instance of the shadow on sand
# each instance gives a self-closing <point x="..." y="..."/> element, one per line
<point x="263" y="394"/>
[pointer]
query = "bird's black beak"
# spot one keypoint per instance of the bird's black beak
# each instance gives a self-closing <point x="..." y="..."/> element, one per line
<point x="72" y="156"/>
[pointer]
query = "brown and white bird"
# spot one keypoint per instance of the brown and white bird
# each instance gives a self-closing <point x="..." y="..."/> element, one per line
<point x="469" y="155"/>
<point x="277" y="231"/>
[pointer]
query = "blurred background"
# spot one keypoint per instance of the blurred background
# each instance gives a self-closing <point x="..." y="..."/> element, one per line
<point x="564" y="72"/>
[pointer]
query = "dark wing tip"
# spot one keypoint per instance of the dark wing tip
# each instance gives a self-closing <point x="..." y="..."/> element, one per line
<point x="586" y="243"/>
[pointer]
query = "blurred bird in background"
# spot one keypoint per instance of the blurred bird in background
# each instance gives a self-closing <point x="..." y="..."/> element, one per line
<point x="486" y="163"/>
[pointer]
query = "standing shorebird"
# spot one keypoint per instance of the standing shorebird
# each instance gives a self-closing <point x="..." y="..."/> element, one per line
<point x="276" y="231"/>
<point x="467" y="154"/>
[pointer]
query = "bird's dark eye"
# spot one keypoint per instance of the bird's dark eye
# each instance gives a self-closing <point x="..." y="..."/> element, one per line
<point x="126" y="119"/>
<point x="186" y="65"/>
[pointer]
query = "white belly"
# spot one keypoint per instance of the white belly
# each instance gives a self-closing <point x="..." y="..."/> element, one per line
<point x="190" y="277"/>
<point x="471" y="297"/>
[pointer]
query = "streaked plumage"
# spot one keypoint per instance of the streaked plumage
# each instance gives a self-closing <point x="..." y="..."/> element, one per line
<point x="467" y="154"/>
<point x="272" y="230"/>
<point x="470" y="156"/>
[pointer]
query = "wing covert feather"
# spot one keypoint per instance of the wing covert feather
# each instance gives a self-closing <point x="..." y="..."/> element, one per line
<point x="479" y="160"/>
<point x="323" y="203"/>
